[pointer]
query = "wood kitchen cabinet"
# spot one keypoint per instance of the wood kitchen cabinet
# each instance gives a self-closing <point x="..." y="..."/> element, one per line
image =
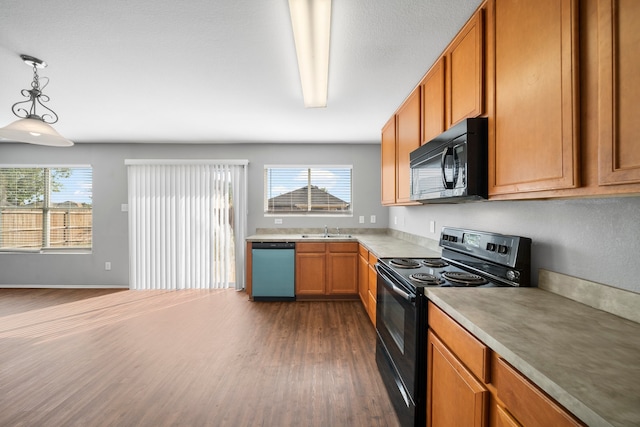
<point x="457" y="369"/>
<point x="533" y="95"/>
<point x="368" y="281"/>
<point x="408" y="139"/>
<point x="363" y="275"/>
<point x="470" y="385"/>
<point x="521" y="403"/>
<point x="400" y="136"/>
<point x="619" y="68"/>
<point x="373" y="288"/>
<point x="388" y="162"/>
<point x="433" y="103"/>
<point x="311" y="267"/>
<point x="465" y="72"/>
<point x="326" y="269"/>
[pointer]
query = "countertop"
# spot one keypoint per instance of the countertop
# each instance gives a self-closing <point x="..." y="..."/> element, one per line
<point x="381" y="245"/>
<point x="586" y="359"/>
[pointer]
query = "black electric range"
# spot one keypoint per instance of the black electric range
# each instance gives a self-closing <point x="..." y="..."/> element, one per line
<point x="469" y="259"/>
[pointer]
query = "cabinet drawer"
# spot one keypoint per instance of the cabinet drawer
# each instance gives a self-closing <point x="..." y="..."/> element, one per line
<point x="472" y="352"/>
<point x="372" y="259"/>
<point x="364" y="253"/>
<point x="526" y="402"/>
<point x="343" y="247"/>
<point x="310" y="247"/>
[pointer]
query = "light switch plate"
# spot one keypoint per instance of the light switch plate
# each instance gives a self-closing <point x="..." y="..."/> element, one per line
<point x="278" y="221"/>
<point x="361" y="219"/>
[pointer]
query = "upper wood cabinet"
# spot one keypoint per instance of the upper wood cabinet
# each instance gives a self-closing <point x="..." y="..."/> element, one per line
<point x="433" y="104"/>
<point x="619" y="91"/>
<point x="465" y="72"/>
<point x="388" y="162"/>
<point x="533" y="95"/>
<point x="408" y="139"/>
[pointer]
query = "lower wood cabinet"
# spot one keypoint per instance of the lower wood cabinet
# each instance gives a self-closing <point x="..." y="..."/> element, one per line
<point x="454" y="396"/>
<point x="367" y="281"/>
<point x="327" y="269"/>
<point x="469" y="385"/>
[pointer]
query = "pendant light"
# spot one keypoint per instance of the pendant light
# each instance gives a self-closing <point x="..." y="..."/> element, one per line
<point x="31" y="127"/>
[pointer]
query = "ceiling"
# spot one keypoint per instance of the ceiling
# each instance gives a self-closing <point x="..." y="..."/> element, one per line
<point x="204" y="71"/>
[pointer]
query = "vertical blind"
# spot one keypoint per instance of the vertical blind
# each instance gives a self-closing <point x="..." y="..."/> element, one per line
<point x="187" y="222"/>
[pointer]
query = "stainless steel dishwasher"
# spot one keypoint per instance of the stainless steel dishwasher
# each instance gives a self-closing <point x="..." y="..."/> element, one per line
<point x="273" y="271"/>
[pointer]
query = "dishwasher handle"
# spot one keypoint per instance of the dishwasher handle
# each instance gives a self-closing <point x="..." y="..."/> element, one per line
<point x="273" y="245"/>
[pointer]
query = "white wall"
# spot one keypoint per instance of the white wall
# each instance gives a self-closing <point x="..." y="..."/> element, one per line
<point x="592" y="239"/>
<point x="110" y="191"/>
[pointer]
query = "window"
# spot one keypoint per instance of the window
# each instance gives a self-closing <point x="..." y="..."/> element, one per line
<point x="45" y="208"/>
<point x="299" y="190"/>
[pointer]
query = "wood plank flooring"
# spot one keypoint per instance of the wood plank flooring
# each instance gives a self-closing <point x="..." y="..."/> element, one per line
<point x="185" y="358"/>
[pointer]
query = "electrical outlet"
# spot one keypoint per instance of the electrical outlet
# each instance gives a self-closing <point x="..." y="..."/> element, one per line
<point x="395" y="220"/>
<point x="124" y="207"/>
<point x="432" y="226"/>
<point x="107" y="265"/>
<point x="373" y="219"/>
<point x="361" y="219"/>
<point x="278" y="220"/>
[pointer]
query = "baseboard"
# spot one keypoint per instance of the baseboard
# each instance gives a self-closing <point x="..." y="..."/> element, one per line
<point x="64" y="287"/>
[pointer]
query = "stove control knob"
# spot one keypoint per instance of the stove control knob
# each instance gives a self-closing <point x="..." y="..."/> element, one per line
<point x="491" y="247"/>
<point x="513" y="275"/>
<point x="502" y="249"/>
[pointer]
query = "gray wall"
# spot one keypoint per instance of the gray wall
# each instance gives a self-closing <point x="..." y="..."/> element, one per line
<point x="110" y="192"/>
<point x="592" y="239"/>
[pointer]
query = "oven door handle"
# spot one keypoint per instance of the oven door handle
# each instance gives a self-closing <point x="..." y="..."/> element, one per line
<point x="389" y="282"/>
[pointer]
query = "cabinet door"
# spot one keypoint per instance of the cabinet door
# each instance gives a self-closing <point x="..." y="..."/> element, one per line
<point x="342" y="273"/>
<point x="363" y="279"/>
<point x="408" y="132"/>
<point x="373" y="289"/>
<point x="619" y="68"/>
<point x="454" y="396"/>
<point x="388" y="162"/>
<point x="310" y="273"/>
<point x="533" y="137"/>
<point x="465" y="71"/>
<point x="433" y="107"/>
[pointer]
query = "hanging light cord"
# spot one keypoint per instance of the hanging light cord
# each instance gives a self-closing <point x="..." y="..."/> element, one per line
<point x="36" y="97"/>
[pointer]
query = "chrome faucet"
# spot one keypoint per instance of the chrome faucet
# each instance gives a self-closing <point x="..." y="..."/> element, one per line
<point x="326" y="231"/>
<point x="338" y="231"/>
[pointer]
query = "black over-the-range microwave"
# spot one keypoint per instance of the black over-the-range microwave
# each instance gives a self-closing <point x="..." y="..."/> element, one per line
<point x="453" y="167"/>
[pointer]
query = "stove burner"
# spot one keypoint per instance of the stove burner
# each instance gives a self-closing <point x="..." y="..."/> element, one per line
<point x="467" y="279"/>
<point x="435" y="262"/>
<point x="427" y="279"/>
<point x="404" y="263"/>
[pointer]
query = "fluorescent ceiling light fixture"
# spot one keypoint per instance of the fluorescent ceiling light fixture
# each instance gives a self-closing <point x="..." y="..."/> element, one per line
<point x="32" y="127"/>
<point x="311" y="22"/>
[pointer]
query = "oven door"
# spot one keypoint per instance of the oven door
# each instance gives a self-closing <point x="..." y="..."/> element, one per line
<point x="396" y="325"/>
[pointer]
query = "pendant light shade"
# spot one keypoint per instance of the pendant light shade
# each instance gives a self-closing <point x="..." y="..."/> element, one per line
<point x="34" y="131"/>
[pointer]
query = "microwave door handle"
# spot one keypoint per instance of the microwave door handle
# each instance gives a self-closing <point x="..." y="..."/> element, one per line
<point x="450" y="152"/>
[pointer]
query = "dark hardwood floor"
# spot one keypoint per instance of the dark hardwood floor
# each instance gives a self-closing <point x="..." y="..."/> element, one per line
<point x="185" y="358"/>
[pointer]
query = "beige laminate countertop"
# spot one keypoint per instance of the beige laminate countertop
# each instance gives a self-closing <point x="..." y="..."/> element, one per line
<point x="586" y="359"/>
<point x="382" y="245"/>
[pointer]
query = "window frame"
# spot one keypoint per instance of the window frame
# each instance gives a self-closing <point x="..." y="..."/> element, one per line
<point x="308" y="213"/>
<point x="47" y="208"/>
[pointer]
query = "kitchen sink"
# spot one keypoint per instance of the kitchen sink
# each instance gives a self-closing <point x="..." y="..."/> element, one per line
<point x="326" y="236"/>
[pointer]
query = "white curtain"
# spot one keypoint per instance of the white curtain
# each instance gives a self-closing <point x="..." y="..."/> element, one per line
<point x="187" y="223"/>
